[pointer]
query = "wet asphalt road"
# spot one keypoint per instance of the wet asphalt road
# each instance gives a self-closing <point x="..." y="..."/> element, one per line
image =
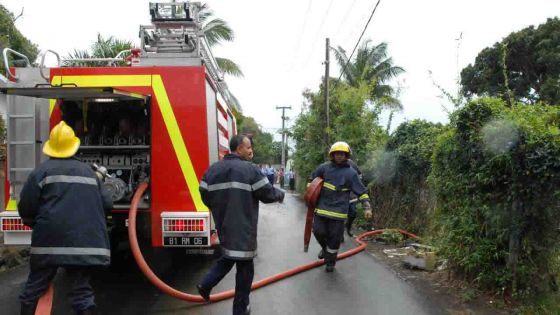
<point x="360" y="285"/>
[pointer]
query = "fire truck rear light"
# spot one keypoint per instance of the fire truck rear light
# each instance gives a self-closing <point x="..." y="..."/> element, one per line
<point x="14" y="225"/>
<point x="184" y="225"/>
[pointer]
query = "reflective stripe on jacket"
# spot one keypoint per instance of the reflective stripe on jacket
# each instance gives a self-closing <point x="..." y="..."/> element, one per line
<point x="340" y="181"/>
<point x="232" y="188"/>
<point x="63" y="201"/>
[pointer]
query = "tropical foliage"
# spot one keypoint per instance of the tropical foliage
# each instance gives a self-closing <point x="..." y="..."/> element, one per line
<point x="10" y="37"/>
<point x="266" y="150"/>
<point x="352" y="120"/>
<point x="216" y="31"/>
<point x="373" y="66"/>
<point x="495" y="174"/>
<point x="531" y="69"/>
<point x="399" y="188"/>
<point x="102" y="48"/>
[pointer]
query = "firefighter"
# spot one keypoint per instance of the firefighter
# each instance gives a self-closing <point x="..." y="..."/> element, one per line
<point x="232" y="189"/>
<point x="332" y="208"/>
<point x="63" y="201"/>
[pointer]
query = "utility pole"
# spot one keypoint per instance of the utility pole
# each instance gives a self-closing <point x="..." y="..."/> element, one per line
<point x="284" y="137"/>
<point x="326" y="87"/>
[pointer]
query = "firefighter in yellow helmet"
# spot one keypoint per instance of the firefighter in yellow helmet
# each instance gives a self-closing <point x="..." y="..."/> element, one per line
<point x="63" y="201"/>
<point x="332" y="208"/>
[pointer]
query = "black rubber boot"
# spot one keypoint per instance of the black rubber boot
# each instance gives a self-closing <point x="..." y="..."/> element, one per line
<point x="204" y="292"/>
<point x="28" y="309"/>
<point x="349" y="222"/>
<point x="321" y="254"/>
<point x="330" y="261"/>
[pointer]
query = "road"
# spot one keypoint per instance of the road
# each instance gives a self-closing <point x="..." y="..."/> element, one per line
<point x="360" y="284"/>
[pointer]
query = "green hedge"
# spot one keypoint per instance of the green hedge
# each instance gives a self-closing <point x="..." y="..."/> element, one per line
<point x="496" y="177"/>
<point x="399" y="189"/>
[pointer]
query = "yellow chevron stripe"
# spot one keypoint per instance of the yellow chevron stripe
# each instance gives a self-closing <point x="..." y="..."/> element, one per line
<point x="167" y="113"/>
<point x="12" y="205"/>
<point x="177" y="140"/>
<point x="52" y="102"/>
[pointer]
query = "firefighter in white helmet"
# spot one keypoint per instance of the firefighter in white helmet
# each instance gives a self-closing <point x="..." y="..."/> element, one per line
<point x="332" y="208"/>
<point x="63" y="201"/>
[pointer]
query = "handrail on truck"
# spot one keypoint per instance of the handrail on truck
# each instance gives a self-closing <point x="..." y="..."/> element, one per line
<point x="7" y="63"/>
<point x="42" y="65"/>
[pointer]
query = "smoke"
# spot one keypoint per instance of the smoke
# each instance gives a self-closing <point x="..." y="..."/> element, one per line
<point x="499" y="136"/>
<point x="382" y="166"/>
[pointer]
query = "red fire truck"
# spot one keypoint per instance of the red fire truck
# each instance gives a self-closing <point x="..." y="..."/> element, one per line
<point x="161" y="113"/>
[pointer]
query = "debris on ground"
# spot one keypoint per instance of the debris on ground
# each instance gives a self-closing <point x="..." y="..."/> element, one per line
<point x="12" y="256"/>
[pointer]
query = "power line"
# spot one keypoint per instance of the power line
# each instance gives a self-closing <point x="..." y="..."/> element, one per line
<point x="359" y="39"/>
<point x="318" y="32"/>
<point x="301" y="33"/>
<point x="345" y="17"/>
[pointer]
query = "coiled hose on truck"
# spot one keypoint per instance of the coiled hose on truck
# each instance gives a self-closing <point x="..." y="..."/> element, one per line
<point x="227" y="294"/>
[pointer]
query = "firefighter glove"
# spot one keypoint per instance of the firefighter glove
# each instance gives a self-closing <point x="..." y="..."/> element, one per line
<point x="367" y="210"/>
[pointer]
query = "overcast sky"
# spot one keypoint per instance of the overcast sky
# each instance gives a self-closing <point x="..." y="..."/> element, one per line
<point x="280" y="45"/>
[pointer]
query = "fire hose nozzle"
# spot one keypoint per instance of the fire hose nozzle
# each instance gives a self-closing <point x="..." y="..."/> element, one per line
<point x="101" y="171"/>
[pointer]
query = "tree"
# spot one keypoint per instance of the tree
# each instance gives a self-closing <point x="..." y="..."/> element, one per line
<point x="10" y="37"/>
<point x="216" y="31"/>
<point x="373" y="66"/>
<point x="530" y="71"/>
<point x="266" y="150"/>
<point x="351" y="121"/>
<point x="102" y="48"/>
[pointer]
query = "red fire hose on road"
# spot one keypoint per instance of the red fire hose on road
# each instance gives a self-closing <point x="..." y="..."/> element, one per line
<point x="227" y="294"/>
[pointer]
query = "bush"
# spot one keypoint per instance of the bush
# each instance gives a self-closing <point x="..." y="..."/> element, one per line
<point x="399" y="190"/>
<point x="496" y="174"/>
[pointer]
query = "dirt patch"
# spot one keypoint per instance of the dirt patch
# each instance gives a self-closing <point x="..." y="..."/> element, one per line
<point x="455" y="296"/>
<point x="12" y="256"/>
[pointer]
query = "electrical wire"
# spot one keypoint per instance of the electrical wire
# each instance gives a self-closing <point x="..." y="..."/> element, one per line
<point x="358" y="42"/>
<point x="318" y="32"/>
<point x="344" y="18"/>
<point x="298" y="44"/>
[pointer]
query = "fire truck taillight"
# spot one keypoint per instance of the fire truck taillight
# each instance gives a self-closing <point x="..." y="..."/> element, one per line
<point x="14" y="225"/>
<point x="184" y="225"/>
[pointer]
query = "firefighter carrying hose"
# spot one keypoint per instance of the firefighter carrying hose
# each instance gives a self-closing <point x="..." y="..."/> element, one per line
<point x="332" y="208"/>
<point x="63" y="201"/>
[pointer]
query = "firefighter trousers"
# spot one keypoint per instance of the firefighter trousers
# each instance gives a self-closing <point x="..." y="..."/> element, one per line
<point x="243" y="280"/>
<point x="80" y="294"/>
<point x="328" y="233"/>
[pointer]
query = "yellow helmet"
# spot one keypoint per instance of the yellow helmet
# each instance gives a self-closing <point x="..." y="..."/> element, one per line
<point x="340" y="146"/>
<point x="62" y="142"/>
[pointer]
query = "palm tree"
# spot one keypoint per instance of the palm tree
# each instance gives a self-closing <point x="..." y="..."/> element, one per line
<point x="102" y="48"/>
<point x="216" y="31"/>
<point x="371" y="65"/>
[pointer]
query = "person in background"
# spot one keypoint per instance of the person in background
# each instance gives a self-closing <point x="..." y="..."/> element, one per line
<point x="270" y="171"/>
<point x="232" y="189"/>
<point x="292" y="179"/>
<point x="64" y="202"/>
<point x="281" y="177"/>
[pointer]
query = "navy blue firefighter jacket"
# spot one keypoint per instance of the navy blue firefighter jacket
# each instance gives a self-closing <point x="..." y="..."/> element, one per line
<point x="340" y="180"/>
<point x="232" y="189"/>
<point x="63" y="201"/>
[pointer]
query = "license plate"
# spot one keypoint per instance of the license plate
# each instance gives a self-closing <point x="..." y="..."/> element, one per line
<point x="185" y="241"/>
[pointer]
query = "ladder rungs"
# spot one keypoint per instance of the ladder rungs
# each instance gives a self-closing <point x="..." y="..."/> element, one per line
<point x="22" y="116"/>
<point x="22" y="142"/>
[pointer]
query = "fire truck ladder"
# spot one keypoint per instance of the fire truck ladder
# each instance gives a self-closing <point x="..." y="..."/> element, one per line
<point x="23" y="145"/>
<point x="23" y="128"/>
